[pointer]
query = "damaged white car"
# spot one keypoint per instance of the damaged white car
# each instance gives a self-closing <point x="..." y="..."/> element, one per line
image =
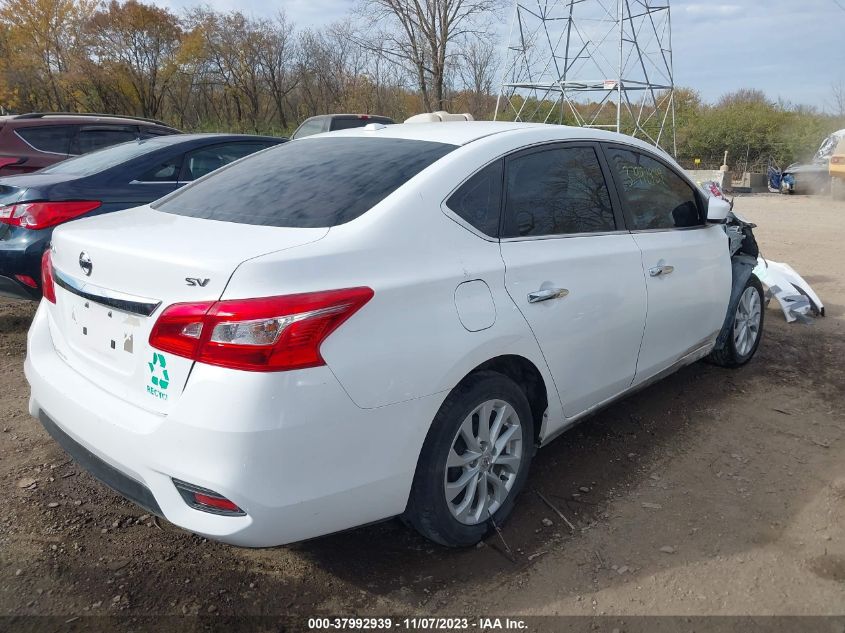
<point x="379" y="322"/>
<point x="797" y="299"/>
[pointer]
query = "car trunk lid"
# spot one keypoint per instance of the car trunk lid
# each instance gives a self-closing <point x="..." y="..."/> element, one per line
<point x="116" y="273"/>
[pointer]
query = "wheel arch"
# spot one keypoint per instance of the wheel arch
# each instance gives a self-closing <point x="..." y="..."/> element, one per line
<point x="529" y="378"/>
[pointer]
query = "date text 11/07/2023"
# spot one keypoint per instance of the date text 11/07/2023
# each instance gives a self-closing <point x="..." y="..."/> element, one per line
<point x="416" y="624"/>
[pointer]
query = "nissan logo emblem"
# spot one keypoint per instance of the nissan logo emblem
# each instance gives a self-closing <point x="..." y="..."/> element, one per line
<point x="85" y="263"/>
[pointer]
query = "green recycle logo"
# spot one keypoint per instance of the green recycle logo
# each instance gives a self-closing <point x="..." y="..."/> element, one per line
<point x="160" y="377"/>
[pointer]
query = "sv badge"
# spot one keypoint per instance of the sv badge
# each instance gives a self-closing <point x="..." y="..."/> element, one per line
<point x="196" y="281"/>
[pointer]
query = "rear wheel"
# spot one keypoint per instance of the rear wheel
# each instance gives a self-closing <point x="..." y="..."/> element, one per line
<point x="746" y="328"/>
<point x="474" y="461"/>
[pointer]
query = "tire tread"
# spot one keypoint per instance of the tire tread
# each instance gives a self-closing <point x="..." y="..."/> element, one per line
<point x="421" y="512"/>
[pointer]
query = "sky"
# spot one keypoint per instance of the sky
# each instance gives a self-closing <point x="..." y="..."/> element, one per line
<point x="791" y="49"/>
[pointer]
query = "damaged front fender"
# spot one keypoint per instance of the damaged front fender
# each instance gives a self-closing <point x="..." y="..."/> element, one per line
<point x="742" y="267"/>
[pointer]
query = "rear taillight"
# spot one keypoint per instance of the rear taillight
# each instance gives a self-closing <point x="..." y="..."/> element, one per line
<point x="266" y="334"/>
<point x="837" y="160"/>
<point x="48" y="288"/>
<point x="43" y="215"/>
<point x="7" y="161"/>
<point x="26" y="280"/>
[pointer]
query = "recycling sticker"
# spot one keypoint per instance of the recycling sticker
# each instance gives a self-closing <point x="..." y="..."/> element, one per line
<point x="159" y="377"/>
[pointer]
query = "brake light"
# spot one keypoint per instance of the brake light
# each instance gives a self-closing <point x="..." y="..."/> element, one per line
<point x="6" y="161"/>
<point x="43" y="215"/>
<point x="266" y="334"/>
<point x="837" y="160"/>
<point x="48" y="288"/>
<point x="26" y="280"/>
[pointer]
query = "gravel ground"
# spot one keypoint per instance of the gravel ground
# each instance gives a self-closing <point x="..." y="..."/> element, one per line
<point x="712" y="492"/>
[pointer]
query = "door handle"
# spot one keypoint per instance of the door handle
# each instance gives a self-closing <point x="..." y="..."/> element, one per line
<point x="547" y="293"/>
<point x="656" y="271"/>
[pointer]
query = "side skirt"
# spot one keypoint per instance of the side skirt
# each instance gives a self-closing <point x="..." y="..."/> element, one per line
<point x="689" y="358"/>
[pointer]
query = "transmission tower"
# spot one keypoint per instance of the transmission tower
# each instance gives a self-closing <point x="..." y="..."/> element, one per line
<point x="593" y="63"/>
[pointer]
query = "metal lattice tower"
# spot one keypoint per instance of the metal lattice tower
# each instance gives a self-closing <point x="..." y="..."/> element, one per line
<point x="592" y="63"/>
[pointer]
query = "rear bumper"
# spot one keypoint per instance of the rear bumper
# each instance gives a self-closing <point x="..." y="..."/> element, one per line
<point x="112" y="477"/>
<point x="289" y="448"/>
<point x="16" y="290"/>
<point x="20" y="254"/>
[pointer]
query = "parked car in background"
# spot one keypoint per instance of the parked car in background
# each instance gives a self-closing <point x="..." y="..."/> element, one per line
<point x="813" y="176"/>
<point x="378" y="322"/>
<point x="837" y="171"/>
<point x="29" y="142"/>
<point x="332" y="122"/>
<point x="115" y="178"/>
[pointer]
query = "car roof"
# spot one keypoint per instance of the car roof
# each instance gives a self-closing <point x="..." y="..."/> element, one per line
<point x="174" y="139"/>
<point x="199" y="140"/>
<point x="348" y="115"/>
<point x="47" y="118"/>
<point x="464" y="132"/>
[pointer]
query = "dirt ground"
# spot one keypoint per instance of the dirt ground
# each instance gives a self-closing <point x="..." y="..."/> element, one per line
<point x="712" y="492"/>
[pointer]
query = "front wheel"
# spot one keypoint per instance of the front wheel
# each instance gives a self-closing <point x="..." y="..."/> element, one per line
<point x="746" y="328"/>
<point x="474" y="461"/>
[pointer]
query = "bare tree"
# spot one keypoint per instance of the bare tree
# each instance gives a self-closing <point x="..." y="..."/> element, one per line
<point x="232" y="44"/>
<point x="477" y="68"/>
<point x="278" y="60"/>
<point x="837" y="98"/>
<point x="423" y="34"/>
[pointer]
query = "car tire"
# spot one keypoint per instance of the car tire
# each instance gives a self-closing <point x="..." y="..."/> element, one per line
<point x="746" y="328"/>
<point x="439" y="507"/>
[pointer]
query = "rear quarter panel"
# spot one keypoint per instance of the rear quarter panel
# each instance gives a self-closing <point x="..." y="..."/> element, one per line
<point x="408" y="341"/>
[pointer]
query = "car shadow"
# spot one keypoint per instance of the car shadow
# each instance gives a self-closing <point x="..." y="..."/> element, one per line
<point x="598" y="475"/>
<point x="601" y="460"/>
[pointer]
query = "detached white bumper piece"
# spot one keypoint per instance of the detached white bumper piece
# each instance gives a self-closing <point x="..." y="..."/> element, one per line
<point x="795" y="296"/>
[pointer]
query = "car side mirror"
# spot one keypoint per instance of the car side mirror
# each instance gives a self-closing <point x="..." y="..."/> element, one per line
<point x="718" y="209"/>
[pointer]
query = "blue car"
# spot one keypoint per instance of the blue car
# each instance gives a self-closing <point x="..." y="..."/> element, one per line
<point x="112" y="179"/>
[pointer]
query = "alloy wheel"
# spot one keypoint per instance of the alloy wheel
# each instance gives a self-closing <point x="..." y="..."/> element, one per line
<point x="483" y="462"/>
<point x="747" y="321"/>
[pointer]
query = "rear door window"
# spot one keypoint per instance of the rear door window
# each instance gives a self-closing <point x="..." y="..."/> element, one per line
<point x="167" y="171"/>
<point x="320" y="182"/>
<point x="655" y="196"/>
<point x="203" y="161"/>
<point x="54" y="139"/>
<point x="309" y="128"/>
<point x="90" y="138"/>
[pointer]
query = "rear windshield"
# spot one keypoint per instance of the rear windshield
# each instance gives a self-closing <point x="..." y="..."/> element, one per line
<point x="95" y="162"/>
<point x="349" y="123"/>
<point x="319" y="182"/>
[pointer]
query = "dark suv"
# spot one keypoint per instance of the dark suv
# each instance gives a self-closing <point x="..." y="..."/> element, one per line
<point x="29" y="142"/>
<point x="332" y="122"/>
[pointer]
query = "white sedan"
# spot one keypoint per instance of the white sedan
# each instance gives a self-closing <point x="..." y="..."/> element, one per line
<point x="378" y="322"/>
